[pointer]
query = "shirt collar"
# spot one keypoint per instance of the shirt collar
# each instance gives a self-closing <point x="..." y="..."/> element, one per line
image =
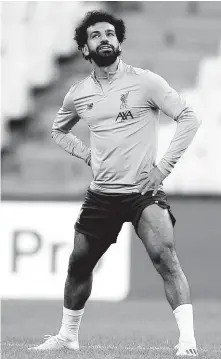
<point x="111" y="74"/>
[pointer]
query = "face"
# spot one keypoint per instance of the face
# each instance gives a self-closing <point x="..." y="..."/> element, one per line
<point x="102" y="44"/>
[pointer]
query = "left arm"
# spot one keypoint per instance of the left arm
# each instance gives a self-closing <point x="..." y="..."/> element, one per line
<point x="170" y="102"/>
<point x="166" y="99"/>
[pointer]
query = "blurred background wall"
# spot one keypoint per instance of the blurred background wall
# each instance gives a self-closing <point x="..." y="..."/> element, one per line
<point x="180" y="41"/>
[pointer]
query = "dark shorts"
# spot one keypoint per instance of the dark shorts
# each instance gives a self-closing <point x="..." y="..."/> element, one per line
<point x="102" y="215"/>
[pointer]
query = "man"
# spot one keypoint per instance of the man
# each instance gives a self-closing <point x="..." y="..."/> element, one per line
<point x="121" y="105"/>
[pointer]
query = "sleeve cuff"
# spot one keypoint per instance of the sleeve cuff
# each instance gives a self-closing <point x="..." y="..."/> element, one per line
<point x="165" y="168"/>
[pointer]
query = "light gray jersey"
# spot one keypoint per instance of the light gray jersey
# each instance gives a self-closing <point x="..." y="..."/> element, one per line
<point x="122" y="113"/>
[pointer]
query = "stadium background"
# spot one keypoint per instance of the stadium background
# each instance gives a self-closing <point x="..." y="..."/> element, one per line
<point x="43" y="187"/>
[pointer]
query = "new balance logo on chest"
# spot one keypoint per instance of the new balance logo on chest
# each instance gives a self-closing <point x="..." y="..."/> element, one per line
<point x="124" y="115"/>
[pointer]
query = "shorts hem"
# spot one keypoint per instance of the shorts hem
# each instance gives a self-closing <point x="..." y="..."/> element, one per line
<point x="161" y="205"/>
<point x="79" y="229"/>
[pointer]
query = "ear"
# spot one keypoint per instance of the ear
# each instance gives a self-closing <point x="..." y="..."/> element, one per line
<point x="85" y="50"/>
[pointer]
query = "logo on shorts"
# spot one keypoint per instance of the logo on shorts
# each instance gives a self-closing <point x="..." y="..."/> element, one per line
<point x="124" y="115"/>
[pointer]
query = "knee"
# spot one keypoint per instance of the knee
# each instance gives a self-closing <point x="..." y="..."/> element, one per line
<point x="164" y="257"/>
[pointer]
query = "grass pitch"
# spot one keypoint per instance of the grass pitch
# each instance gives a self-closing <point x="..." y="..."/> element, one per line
<point x="127" y="330"/>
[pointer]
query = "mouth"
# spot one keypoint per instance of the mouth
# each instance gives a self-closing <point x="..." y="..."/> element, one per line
<point x="105" y="47"/>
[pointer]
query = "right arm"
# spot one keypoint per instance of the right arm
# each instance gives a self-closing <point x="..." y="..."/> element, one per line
<point x="65" y="119"/>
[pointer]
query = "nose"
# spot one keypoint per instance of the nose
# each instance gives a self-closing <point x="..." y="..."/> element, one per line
<point x="104" y="38"/>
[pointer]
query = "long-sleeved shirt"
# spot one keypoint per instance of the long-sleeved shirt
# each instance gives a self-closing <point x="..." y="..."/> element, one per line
<point x="122" y="113"/>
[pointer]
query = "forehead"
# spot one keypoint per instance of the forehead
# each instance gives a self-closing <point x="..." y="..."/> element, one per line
<point x="100" y="26"/>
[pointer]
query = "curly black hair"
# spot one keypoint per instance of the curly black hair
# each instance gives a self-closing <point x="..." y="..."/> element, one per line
<point x="93" y="17"/>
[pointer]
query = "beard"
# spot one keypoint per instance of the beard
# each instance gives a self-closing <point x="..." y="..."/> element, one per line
<point x="106" y="57"/>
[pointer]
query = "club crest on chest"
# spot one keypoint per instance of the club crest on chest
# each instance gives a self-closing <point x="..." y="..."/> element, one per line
<point x="126" y="114"/>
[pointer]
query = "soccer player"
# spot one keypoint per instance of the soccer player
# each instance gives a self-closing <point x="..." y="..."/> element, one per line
<point x="121" y="105"/>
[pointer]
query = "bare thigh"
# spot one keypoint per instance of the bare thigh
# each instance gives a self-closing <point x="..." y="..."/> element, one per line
<point x="155" y="229"/>
<point x="86" y="253"/>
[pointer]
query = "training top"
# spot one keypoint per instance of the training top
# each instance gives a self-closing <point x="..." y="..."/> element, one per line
<point x="122" y="113"/>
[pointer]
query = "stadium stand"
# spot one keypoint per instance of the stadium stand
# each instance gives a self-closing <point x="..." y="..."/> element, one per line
<point x="178" y="40"/>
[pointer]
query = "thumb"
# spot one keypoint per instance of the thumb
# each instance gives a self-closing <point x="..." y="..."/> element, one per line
<point x="155" y="190"/>
<point x="143" y="175"/>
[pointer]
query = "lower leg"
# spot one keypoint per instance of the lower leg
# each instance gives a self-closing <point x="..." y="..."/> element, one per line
<point x="76" y="293"/>
<point x="78" y="285"/>
<point x="178" y="295"/>
<point x="176" y="286"/>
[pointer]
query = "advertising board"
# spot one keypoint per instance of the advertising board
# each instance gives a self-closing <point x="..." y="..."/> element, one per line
<point x="36" y="241"/>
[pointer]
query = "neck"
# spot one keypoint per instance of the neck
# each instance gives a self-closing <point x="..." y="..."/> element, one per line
<point x="104" y="71"/>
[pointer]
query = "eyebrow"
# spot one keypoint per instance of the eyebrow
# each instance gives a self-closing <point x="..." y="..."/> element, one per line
<point x="97" y="31"/>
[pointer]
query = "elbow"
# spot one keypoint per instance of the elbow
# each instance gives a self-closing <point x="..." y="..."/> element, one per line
<point x="197" y="122"/>
<point x="57" y="135"/>
<point x="53" y="133"/>
<point x="194" y="125"/>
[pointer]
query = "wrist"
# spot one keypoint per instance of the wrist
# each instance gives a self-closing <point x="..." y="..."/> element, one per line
<point x="163" y="169"/>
